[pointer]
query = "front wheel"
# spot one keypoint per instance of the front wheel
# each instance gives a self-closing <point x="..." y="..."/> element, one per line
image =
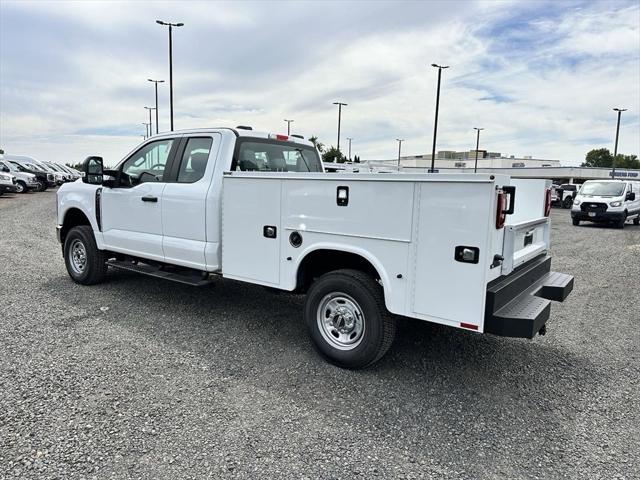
<point x="575" y="221"/>
<point x="622" y="221"/>
<point x="21" y="187"/>
<point x="636" y="221"/>
<point x="347" y="319"/>
<point x="85" y="263"/>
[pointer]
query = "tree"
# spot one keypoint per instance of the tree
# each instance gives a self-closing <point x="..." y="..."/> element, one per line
<point x="1" y="151"/>
<point x="333" y="155"/>
<point x="602" y="157"/>
<point x="356" y="159"/>
<point x="319" y="146"/>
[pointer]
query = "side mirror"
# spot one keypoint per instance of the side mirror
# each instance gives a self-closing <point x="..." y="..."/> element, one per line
<point x="92" y="169"/>
<point x="631" y="196"/>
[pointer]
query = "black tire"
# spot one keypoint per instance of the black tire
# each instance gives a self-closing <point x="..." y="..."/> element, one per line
<point x="567" y="202"/>
<point x="95" y="267"/>
<point x="636" y="221"/>
<point x="575" y="221"/>
<point x="379" y="327"/>
<point x="22" y="187"/>
<point x="621" y="222"/>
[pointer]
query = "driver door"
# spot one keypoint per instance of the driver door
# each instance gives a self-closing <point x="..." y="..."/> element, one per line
<point x="131" y="210"/>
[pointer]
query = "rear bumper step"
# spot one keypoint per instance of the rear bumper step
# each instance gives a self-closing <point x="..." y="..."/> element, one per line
<point x="519" y="304"/>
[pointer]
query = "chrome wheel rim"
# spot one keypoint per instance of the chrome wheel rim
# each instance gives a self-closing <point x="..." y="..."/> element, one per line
<point x="341" y="321"/>
<point x="19" y="188"/>
<point x="78" y="256"/>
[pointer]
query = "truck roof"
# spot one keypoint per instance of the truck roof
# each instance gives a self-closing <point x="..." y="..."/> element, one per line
<point x="240" y="132"/>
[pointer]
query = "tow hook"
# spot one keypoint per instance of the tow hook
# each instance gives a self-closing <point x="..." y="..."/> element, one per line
<point x="543" y="330"/>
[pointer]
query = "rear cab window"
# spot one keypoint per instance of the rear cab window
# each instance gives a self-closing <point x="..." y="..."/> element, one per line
<point x="264" y="155"/>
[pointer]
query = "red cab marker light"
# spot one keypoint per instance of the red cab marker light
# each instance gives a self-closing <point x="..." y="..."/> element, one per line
<point x="469" y="326"/>
<point x="282" y="137"/>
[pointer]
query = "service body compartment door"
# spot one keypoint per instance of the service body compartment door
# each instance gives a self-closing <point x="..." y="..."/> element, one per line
<point x="450" y="215"/>
<point x="250" y="245"/>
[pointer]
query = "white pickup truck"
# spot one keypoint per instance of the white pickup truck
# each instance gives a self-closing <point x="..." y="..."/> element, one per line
<point x="465" y="250"/>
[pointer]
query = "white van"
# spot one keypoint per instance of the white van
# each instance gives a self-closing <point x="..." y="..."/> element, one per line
<point x="607" y="201"/>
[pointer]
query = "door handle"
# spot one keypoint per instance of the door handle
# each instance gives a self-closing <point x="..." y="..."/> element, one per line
<point x="149" y="198"/>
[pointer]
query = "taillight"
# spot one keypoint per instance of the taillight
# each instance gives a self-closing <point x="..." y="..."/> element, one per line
<point x="547" y="203"/>
<point x="501" y="206"/>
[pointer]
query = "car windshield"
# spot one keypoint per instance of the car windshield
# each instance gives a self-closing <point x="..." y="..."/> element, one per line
<point x="603" y="189"/>
<point x="17" y="166"/>
<point x="265" y="156"/>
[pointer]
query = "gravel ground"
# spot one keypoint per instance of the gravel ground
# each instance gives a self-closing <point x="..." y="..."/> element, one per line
<point x="139" y="378"/>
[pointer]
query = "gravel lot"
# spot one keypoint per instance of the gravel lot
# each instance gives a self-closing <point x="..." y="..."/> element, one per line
<point x="140" y="378"/>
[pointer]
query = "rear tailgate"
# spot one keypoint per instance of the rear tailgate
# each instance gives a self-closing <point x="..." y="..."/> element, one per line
<point x="527" y="230"/>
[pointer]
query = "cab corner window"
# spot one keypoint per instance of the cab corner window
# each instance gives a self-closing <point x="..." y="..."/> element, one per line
<point x="147" y="164"/>
<point x="194" y="160"/>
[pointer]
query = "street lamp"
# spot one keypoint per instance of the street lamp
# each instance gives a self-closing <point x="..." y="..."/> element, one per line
<point x="150" y="122"/>
<point x="146" y="129"/>
<point x="340" y="105"/>
<point x="156" y="83"/>
<point x="170" y="25"/>
<point x="435" y="124"/>
<point x="399" y="140"/>
<point x="475" y="169"/>
<point x="349" y="138"/>
<point x="288" y="126"/>
<point x="615" y="148"/>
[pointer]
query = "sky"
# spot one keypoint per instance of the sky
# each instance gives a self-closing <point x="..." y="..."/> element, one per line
<point x="540" y="77"/>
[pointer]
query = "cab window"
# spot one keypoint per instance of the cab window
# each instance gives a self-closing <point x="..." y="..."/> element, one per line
<point x="194" y="160"/>
<point x="147" y="164"/>
<point x="277" y="157"/>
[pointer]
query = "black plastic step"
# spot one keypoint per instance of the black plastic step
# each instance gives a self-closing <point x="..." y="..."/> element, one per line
<point x="556" y="286"/>
<point x="193" y="277"/>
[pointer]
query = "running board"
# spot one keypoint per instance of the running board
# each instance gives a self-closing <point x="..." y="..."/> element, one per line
<point x="158" y="272"/>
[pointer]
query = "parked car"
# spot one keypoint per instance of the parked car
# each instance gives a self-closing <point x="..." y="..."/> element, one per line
<point x="75" y="175"/>
<point x="66" y="176"/>
<point x="24" y="181"/>
<point x="563" y="195"/>
<point x="45" y="179"/>
<point x="607" y="201"/>
<point x="7" y="183"/>
<point x="455" y="249"/>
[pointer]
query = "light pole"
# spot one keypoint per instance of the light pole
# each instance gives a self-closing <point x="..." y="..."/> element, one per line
<point x="150" y="122"/>
<point x="288" y="126"/>
<point x="399" y="140"/>
<point x="475" y="169"/>
<point x="435" y="124"/>
<point x="156" y="83"/>
<point x="170" y="25"/>
<point x="340" y="105"/>
<point x="615" y="148"/>
<point x="349" y="138"/>
<point x="146" y="129"/>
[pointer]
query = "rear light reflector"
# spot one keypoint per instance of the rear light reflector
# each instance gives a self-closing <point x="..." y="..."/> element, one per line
<point x="469" y="325"/>
<point x="547" y="202"/>
<point x="501" y="206"/>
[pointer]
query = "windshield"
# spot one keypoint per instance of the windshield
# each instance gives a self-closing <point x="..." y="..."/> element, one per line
<point x="17" y="166"/>
<point x="56" y="168"/>
<point x="603" y="189"/>
<point x="271" y="156"/>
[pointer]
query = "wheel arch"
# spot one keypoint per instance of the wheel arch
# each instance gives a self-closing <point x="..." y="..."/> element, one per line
<point x="322" y="259"/>
<point x="73" y="217"/>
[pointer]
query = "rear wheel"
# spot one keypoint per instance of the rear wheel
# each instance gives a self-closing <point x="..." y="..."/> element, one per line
<point x="21" y="187"/>
<point x="85" y="263"/>
<point x="567" y="202"/>
<point x="636" y="221"/>
<point x="347" y="319"/>
<point x="575" y="221"/>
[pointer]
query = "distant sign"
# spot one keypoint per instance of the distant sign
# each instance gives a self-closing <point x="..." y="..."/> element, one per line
<point x="624" y="174"/>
